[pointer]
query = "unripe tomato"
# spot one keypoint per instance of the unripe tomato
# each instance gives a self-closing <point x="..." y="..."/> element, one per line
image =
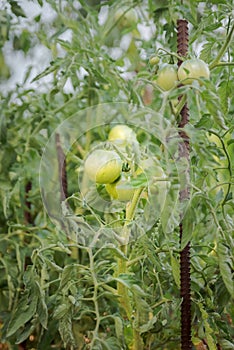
<point x="121" y="190"/>
<point x="128" y="19"/>
<point x="193" y="69"/>
<point x="154" y="60"/>
<point x="103" y="166"/>
<point x="122" y="134"/>
<point x="167" y="77"/>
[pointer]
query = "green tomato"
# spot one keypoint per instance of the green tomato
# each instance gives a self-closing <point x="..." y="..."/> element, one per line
<point x="122" y="135"/>
<point x="126" y="19"/>
<point x="193" y="69"/>
<point x="103" y="166"/>
<point x="121" y="190"/>
<point x="167" y="77"/>
<point x="154" y="60"/>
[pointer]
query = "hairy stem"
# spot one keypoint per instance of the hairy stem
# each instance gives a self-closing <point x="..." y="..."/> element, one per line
<point x="223" y="49"/>
<point x="122" y="268"/>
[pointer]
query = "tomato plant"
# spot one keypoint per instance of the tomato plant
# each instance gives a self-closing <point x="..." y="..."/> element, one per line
<point x="91" y="178"/>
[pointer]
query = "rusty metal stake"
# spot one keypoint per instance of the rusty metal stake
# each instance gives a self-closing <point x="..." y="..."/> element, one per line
<point x="185" y="280"/>
<point x="62" y="169"/>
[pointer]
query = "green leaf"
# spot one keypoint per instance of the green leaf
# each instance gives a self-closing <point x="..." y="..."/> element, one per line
<point x="206" y="52"/>
<point x="42" y="308"/>
<point x="149" y="325"/>
<point x="16" y="9"/>
<point x="61" y="310"/>
<point x="26" y="333"/>
<point x="54" y="65"/>
<point x="175" y="270"/>
<point x="209" y="333"/>
<point x="118" y="327"/>
<point x="115" y="251"/>
<point x="25" y="311"/>
<point x="205" y="121"/>
<point x="225" y="264"/>
<point x="188" y="226"/>
<point x="126" y="279"/>
<point x="223" y="95"/>
<point x="3" y="130"/>
<point x="113" y="344"/>
<point x="226" y="344"/>
<point x="139" y="181"/>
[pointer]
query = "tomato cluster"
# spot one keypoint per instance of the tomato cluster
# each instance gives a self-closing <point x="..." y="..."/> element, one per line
<point x="105" y="167"/>
<point x="168" y="76"/>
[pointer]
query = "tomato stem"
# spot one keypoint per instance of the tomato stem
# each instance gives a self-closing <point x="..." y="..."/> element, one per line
<point x="180" y="105"/>
<point x="122" y="267"/>
<point x="172" y="54"/>
<point x="216" y="62"/>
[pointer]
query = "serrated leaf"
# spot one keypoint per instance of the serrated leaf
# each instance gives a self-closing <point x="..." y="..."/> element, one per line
<point x="112" y="344"/>
<point x="149" y="325"/>
<point x="53" y="67"/>
<point x="223" y="95"/>
<point x="61" y="311"/>
<point x="138" y="291"/>
<point x="175" y="270"/>
<point x="115" y="251"/>
<point x="42" y="308"/>
<point x="118" y="327"/>
<point x="225" y="264"/>
<point x="26" y="333"/>
<point x="205" y="121"/>
<point x="126" y="279"/>
<point x="206" y="52"/>
<point x="65" y="330"/>
<point x="25" y="311"/>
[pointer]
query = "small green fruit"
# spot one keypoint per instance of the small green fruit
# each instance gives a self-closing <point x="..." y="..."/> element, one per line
<point x="126" y="18"/>
<point x="154" y="60"/>
<point x="167" y="77"/>
<point x="103" y="166"/>
<point x="122" y="134"/>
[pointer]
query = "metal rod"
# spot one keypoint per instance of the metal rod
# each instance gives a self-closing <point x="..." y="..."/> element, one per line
<point x="185" y="280"/>
<point x="62" y="169"/>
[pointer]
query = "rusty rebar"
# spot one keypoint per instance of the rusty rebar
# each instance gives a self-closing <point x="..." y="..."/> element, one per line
<point x="61" y="168"/>
<point x="185" y="279"/>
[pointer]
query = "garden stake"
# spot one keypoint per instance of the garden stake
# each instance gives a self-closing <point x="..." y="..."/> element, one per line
<point x="62" y="169"/>
<point x="63" y="190"/>
<point x="186" y="343"/>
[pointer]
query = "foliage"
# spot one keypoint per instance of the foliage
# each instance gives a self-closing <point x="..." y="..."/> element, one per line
<point x="62" y="262"/>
